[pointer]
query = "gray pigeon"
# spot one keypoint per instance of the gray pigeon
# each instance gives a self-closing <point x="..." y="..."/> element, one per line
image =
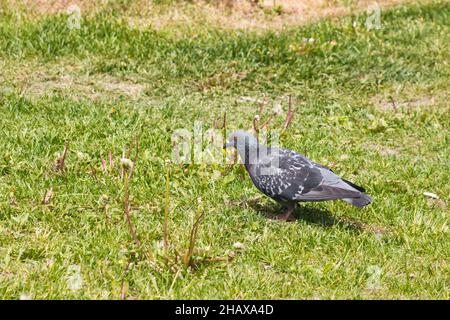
<point x="289" y="177"/>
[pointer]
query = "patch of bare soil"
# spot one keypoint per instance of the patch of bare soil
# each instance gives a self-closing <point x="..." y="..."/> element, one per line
<point x="405" y="97"/>
<point x="66" y="80"/>
<point x="229" y="14"/>
<point x="391" y="104"/>
<point x="42" y="7"/>
<point x="438" y="203"/>
<point x="245" y="14"/>
<point x="382" y="150"/>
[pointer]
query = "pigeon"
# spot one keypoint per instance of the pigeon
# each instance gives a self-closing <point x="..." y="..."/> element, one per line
<point x="289" y="177"/>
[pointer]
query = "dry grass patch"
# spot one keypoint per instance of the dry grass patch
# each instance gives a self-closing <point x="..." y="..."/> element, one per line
<point x="391" y="104"/>
<point x="244" y="14"/>
<point x="43" y="7"/>
<point x="67" y="80"/>
<point x="410" y="97"/>
<point x="227" y="14"/>
<point x="382" y="150"/>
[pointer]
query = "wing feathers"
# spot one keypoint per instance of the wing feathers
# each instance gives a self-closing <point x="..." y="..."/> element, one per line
<point x="328" y="193"/>
<point x="354" y="185"/>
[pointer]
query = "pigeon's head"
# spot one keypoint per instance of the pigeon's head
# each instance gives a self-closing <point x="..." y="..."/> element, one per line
<point x="245" y="143"/>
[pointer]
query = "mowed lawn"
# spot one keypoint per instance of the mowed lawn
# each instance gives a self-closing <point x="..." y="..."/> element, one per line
<point x="372" y="104"/>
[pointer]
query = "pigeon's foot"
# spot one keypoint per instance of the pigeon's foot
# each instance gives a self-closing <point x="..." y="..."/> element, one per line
<point x="288" y="217"/>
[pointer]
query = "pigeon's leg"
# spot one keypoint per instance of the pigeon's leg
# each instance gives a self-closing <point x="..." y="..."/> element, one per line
<point x="288" y="216"/>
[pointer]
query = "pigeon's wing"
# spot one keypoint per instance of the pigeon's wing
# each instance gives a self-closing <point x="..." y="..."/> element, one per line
<point x="289" y="176"/>
<point x="284" y="174"/>
<point x="349" y="183"/>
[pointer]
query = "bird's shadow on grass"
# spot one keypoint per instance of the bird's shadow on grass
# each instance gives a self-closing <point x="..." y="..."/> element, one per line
<point x="308" y="214"/>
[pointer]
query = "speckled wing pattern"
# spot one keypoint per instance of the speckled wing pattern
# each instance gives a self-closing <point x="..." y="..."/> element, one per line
<point x="288" y="176"/>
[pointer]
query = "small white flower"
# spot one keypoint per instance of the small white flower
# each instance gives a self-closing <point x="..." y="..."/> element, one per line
<point x="104" y="199"/>
<point x="431" y="195"/>
<point x="126" y="163"/>
<point x="81" y="155"/>
<point x="277" y="108"/>
<point x="256" y="118"/>
<point x="238" y="245"/>
<point x="160" y="244"/>
<point x="249" y="99"/>
<point x="379" y="236"/>
<point x="215" y="175"/>
<point x="50" y="263"/>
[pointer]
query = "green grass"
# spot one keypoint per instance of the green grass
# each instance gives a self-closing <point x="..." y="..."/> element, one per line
<point x="341" y="120"/>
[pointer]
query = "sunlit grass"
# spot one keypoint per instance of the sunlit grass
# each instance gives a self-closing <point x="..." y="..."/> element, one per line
<point x="371" y="104"/>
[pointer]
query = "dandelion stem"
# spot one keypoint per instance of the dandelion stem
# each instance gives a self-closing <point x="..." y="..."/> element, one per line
<point x="166" y="211"/>
<point x="188" y="255"/>
<point x="127" y="209"/>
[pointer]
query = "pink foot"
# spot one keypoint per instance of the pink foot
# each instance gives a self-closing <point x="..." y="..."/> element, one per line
<point x="288" y="217"/>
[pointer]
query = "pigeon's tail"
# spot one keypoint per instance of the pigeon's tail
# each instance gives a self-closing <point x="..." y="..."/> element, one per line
<point x="359" y="202"/>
